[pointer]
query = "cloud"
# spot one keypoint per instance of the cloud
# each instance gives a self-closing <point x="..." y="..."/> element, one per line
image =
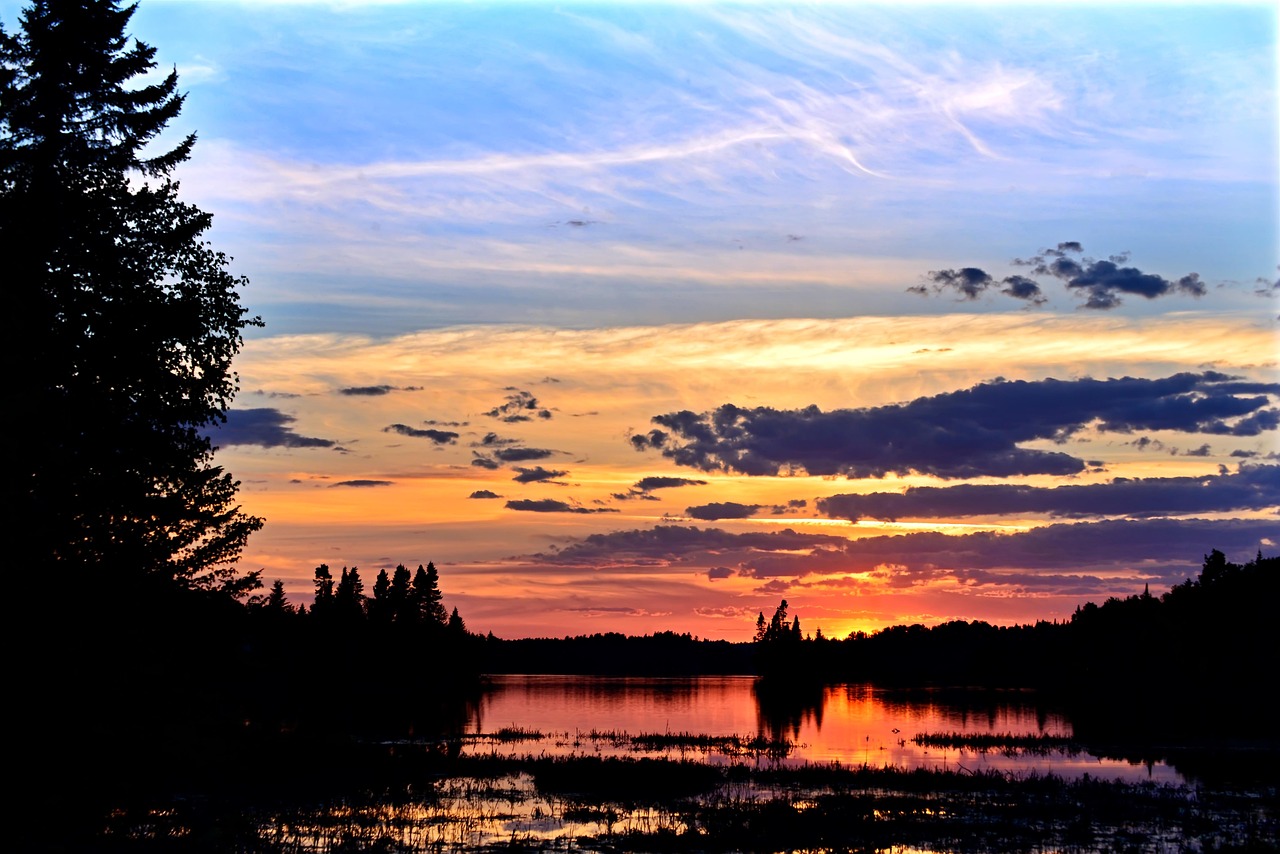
<point x="723" y="510"/>
<point x="493" y="440"/>
<point x="717" y="572"/>
<point x="648" y="484"/>
<point x="440" y="437"/>
<point x="265" y="427"/>
<point x="1251" y="488"/>
<point x="484" y="493"/>
<point x="537" y="474"/>
<point x="642" y="488"/>
<point x="971" y="282"/>
<point x="1166" y="548"/>
<point x="361" y="483"/>
<point x="366" y="390"/>
<point x="494" y="459"/>
<point x="522" y="455"/>
<point x="519" y="406"/>
<point x="550" y="505"/>
<point x="974" y="432"/>
<point x="666" y="544"/>
<point x="1101" y="282"/>
<point x="1020" y="287"/>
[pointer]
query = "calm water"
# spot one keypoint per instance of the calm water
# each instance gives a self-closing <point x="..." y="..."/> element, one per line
<point x="852" y="724"/>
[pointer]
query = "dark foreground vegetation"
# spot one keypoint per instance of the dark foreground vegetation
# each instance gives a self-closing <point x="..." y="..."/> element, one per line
<point x="425" y="799"/>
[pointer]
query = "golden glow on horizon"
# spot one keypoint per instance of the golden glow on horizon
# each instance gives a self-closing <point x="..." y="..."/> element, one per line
<point x="601" y="385"/>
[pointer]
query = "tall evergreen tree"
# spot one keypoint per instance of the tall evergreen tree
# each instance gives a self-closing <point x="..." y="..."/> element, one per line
<point x="349" y="598"/>
<point x="130" y="319"/>
<point x="277" y="602"/>
<point x="426" y="597"/>
<point x="323" y="603"/>
<point x="398" y="595"/>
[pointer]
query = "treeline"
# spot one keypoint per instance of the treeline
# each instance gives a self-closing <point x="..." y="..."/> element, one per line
<point x="1209" y="647"/>
<point x="140" y="661"/>
<point x="392" y="662"/>
<point x="615" y="654"/>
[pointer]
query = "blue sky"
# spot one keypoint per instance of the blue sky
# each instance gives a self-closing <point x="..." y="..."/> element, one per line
<point x="433" y="156"/>
<point x="797" y="241"/>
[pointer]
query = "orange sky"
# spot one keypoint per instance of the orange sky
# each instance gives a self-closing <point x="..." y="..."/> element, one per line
<point x="600" y="386"/>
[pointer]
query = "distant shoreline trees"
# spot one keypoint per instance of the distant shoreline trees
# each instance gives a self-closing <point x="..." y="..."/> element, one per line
<point x="1210" y="643"/>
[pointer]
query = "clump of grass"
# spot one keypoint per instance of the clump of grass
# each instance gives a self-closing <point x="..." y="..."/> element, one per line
<point x="516" y="733"/>
<point x="1036" y="744"/>
<point x="728" y="745"/>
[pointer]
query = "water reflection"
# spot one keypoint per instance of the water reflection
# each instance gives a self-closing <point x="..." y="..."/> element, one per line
<point x="850" y="724"/>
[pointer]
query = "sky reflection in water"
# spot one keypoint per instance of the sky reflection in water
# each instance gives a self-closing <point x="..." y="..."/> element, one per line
<point x="850" y="724"/>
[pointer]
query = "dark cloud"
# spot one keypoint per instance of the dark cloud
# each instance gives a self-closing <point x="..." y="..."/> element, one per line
<point x="361" y="483"/>
<point x="1061" y="555"/>
<point x="375" y="390"/>
<point x="641" y="488"/>
<point x="970" y="433"/>
<point x="723" y="510"/>
<point x="971" y="282"/>
<point x="522" y="455"/>
<point x="648" y="484"/>
<point x="537" y="474"/>
<point x="501" y="454"/>
<point x="440" y="437"/>
<point x="719" y="572"/>
<point x="679" y="544"/>
<point x="1020" y="287"/>
<point x="264" y="427"/>
<point x="366" y="390"/>
<point x="493" y="440"/>
<point x="484" y="493"/>
<point x="550" y="505"/>
<point x="1251" y="488"/>
<point x="519" y="406"/>
<point x="652" y="439"/>
<point x="1102" y="283"/>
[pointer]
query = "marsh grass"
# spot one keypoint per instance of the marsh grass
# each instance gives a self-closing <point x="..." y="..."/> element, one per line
<point x="489" y="801"/>
<point x="1007" y="744"/>
<point x="668" y="743"/>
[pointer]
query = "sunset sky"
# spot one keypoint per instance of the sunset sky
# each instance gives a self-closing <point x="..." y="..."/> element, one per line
<point x="636" y="317"/>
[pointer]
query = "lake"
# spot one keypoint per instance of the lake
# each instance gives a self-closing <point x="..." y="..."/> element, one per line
<point x="849" y="724"/>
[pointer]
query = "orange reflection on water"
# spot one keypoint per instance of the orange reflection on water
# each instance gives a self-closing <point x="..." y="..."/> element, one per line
<point x="850" y="724"/>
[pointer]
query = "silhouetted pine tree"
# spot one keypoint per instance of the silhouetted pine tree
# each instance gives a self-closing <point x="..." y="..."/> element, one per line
<point x="130" y="321"/>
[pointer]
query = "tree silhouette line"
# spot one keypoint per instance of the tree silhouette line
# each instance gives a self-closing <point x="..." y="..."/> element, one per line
<point x="1207" y="648"/>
